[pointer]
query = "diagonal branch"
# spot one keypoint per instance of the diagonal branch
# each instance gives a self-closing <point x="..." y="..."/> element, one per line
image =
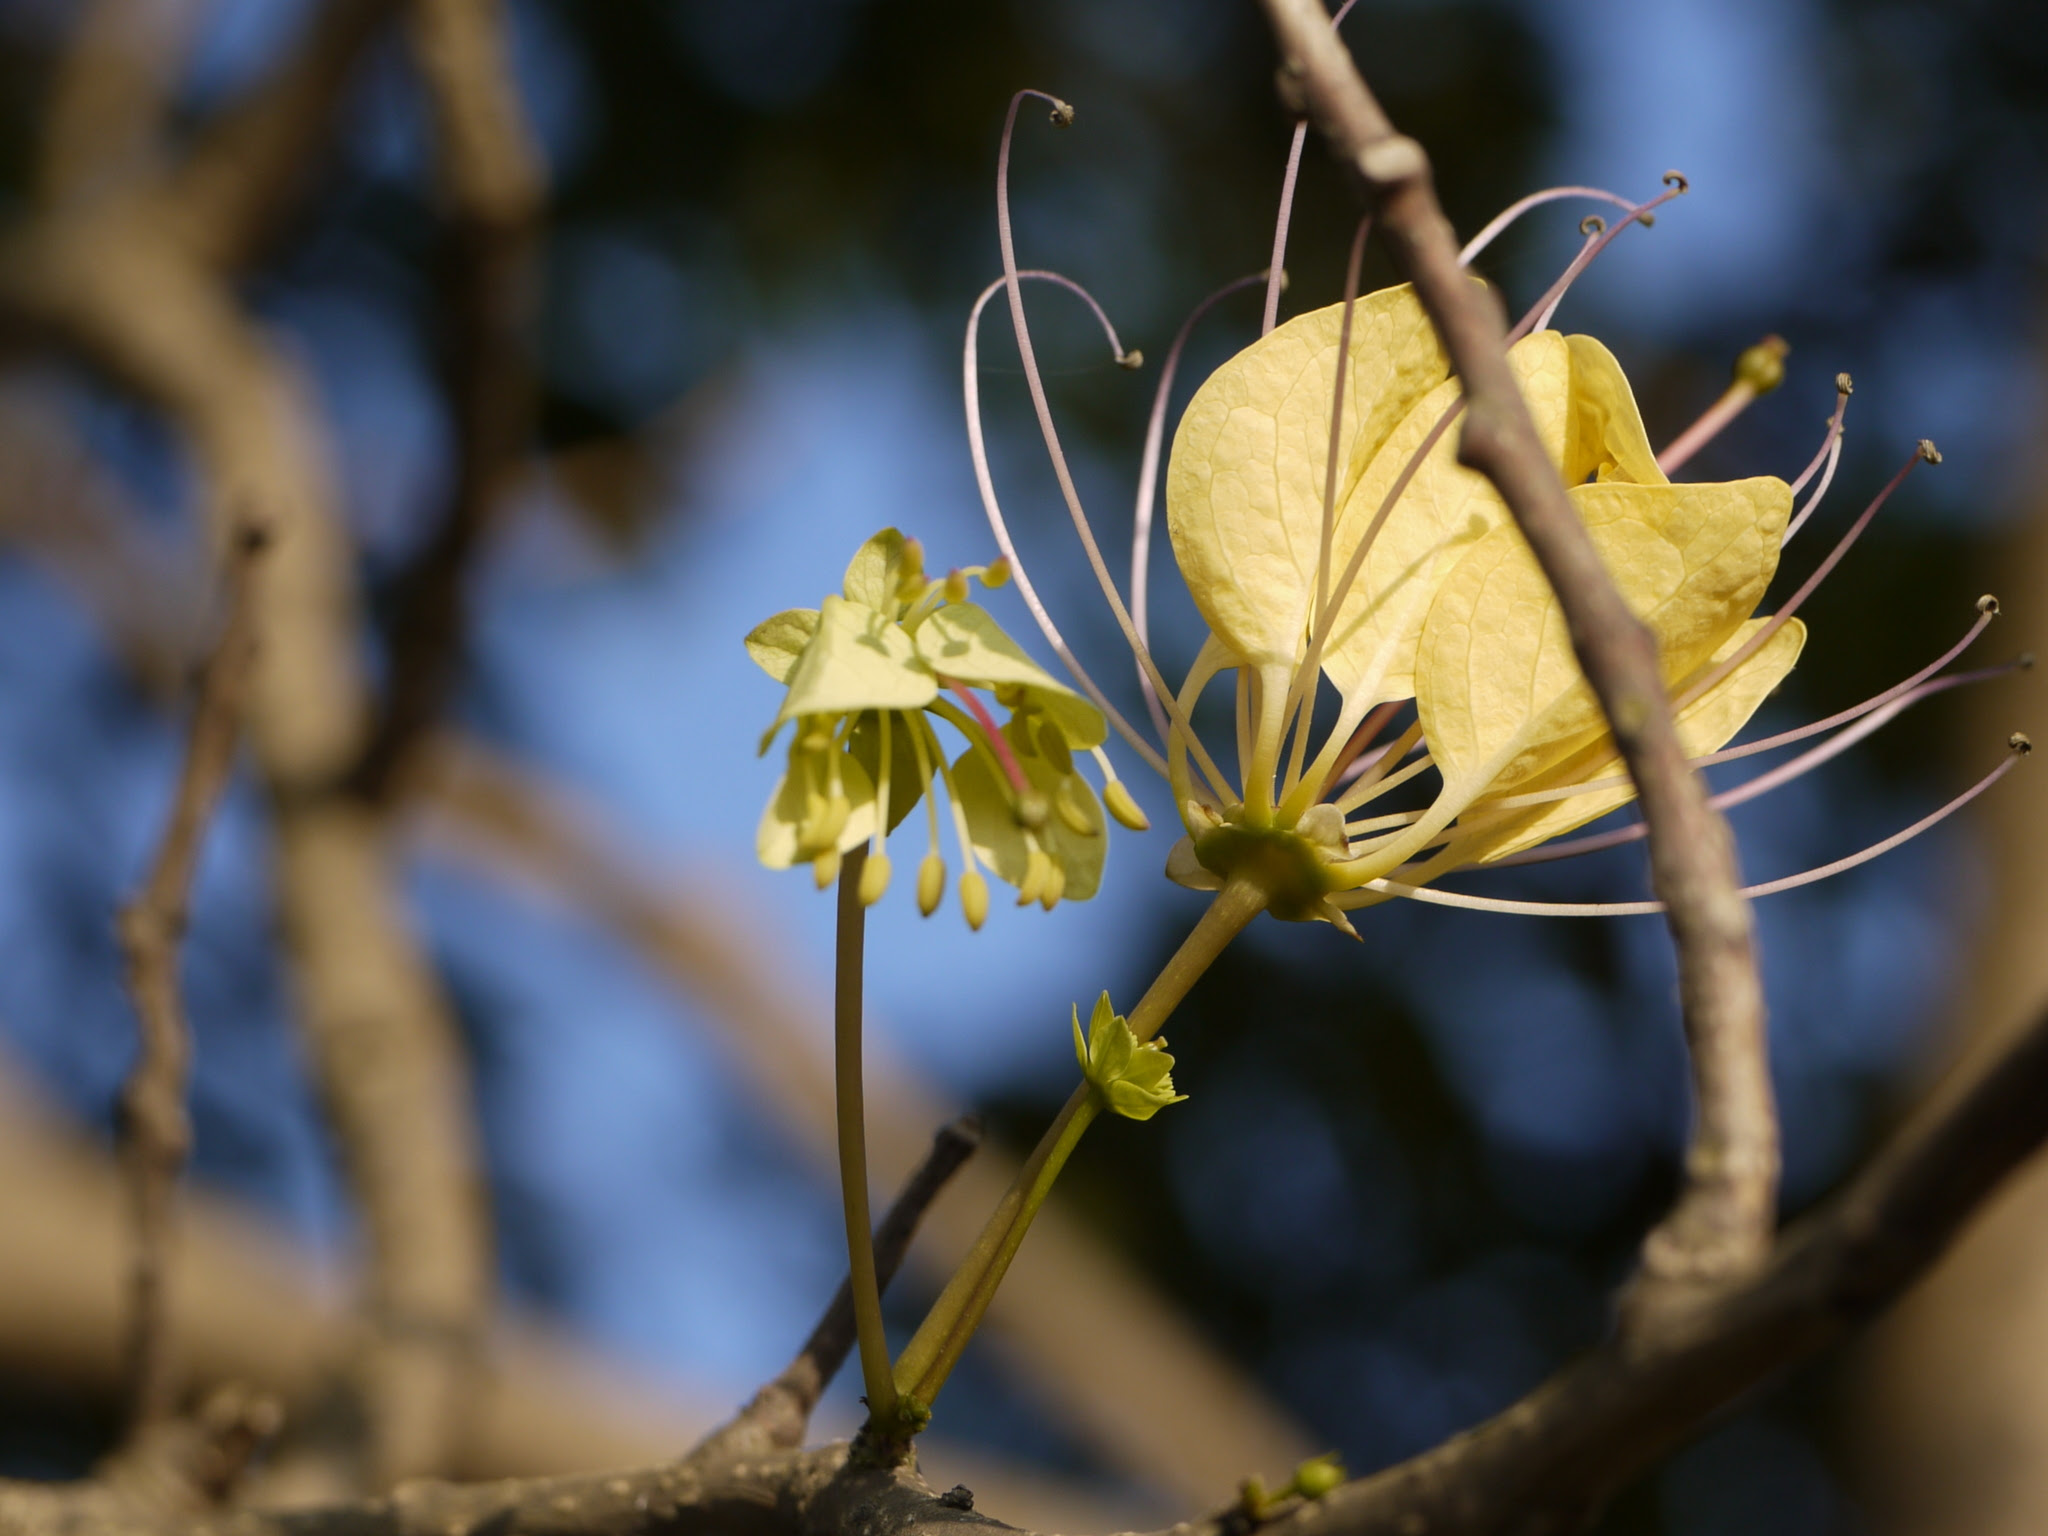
<point x="1541" y="1466"/>
<point x="156" y="1130"/>
<point x="1721" y="1226"/>
<point x="780" y="1412"/>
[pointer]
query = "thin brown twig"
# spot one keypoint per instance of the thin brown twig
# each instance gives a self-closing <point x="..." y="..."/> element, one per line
<point x="1721" y="1225"/>
<point x="778" y="1415"/>
<point x="156" y="1129"/>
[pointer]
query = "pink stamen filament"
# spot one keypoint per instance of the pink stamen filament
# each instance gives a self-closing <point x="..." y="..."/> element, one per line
<point x="1917" y="685"/>
<point x="1276" y="269"/>
<point x="1643" y="908"/>
<point x="1043" y="407"/>
<point x="1148" y="485"/>
<point x="1515" y="210"/>
<point x="1735" y="399"/>
<point x="996" y="742"/>
<point x="1763" y="783"/>
<point x="1539" y="314"/>
<point x="1777" y="621"/>
<point x="1828" y="438"/>
<point x="1830" y="455"/>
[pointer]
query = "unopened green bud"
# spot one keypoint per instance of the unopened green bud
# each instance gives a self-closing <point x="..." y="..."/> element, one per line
<point x="1762" y="367"/>
<point x="1032" y="810"/>
<point x="974" y="898"/>
<point x="1318" y="1476"/>
<point x="931" y="883"/>
<point x="1123" y="807"/>
<point x="874" y="879"/>
<point x="996" y="573"/>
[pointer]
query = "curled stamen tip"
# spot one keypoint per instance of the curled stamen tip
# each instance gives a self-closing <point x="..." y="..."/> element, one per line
<point x="1844" y="385"/>
<point x="1928" y="452"/>
<point x="2025" y="662"/>
<point x="1678" y="179"/>
<point x="1285" y="279"/>
<point x="1647" y="219"/>
<point x="1132" y="360"/>
<point x="1062" y="113"/>
<point x="1987" y="604"/>
<point x="1592" y="224"/>
<point x="2020" y="742"/>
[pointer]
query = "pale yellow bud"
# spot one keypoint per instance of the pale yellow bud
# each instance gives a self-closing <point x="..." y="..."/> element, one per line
<point x="931" y="883"/>
<point x="1123" y="807"/>
<point x="974" y="898"/>
<point x="825" y="867"/>
<point x="874" y="879"/>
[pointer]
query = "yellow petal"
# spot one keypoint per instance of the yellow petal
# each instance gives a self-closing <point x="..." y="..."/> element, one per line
<point x="1498" y="691"/>
<point x="1705" y="725"/>
<point x="964" y="641"/>
<point x="777" y="643"/>
<point x="1244" y="486"/>
<point x="857" y="660"/>
<point x="999" y="840"/>
<point x="1604" y="437"/>
<point x="868" y="574"/>
<point x="1445" y="509"/>
<point x="776" y="841"/>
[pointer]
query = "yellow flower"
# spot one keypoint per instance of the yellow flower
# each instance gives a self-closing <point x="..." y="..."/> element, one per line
<point x="1132" y="1078"/>
<point x="864" y="672"/>
<point x="1397" y="574"/>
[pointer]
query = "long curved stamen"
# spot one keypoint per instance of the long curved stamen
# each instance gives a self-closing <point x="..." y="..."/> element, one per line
<point x="1148" y="486"/>
<point x="1520" y="206"/>
<point x="1844" y="388"/>
<point x="1601" y="237"/>
<point x="1033" y="378"/>
<point x="1916" y="686"/>
<point x="1763" y="783"/>
<point x="2020" y="748"/>
<point x="1276" y="269"/>
<point x="1301" y="688"/>
<point x="1925" y="452"/>
<point x="1361" y="738"/>
<point x="977" y="451"/>
<point x="1830" y="454"/>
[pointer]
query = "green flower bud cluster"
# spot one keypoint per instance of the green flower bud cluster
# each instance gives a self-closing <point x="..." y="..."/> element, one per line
<point x="1130" y="1077"/>
<point x="867" y="674"/>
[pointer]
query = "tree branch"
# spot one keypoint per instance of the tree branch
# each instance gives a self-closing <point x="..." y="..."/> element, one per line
<point x="491" y="178"/>
<point x="1542" y="1466"/>
<point x="1721" y="1225"/>
<point x="780" y="1412"/>
<point x="156" y="1130"/>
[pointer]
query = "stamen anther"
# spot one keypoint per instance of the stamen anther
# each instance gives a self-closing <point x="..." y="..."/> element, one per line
<point x="2020" y="742"/>
<point x="1988" y="604"/>
<point x="1592" y="224"/>
<point x="1929" y="454"/>
<point x="1677" y="181"/>
<point x="1844" y="385"/>
<point x="1062" y="112"/>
